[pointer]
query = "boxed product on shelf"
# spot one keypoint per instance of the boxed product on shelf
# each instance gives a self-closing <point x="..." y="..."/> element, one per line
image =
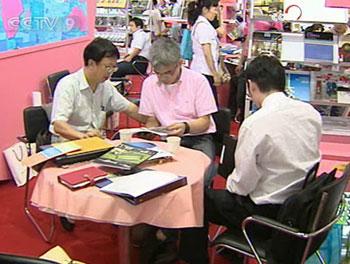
<point x="266" y="42"/>
<point x="268" y="9"/>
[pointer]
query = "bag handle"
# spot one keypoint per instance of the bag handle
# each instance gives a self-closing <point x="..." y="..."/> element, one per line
<point x="18" y="157"/>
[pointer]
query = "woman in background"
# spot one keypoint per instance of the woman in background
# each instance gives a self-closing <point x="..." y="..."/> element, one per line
<point x="205" y="42"/>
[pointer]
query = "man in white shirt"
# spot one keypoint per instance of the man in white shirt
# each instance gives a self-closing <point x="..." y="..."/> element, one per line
<point x="136" y="61"/>
<point x="83" y="98"/>
<point x="277" y="145"/>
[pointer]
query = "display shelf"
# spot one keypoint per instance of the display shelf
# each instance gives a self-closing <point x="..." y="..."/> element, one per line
<point x="326" y="89"/>
<point x="137" y="7"/>
<point x="112" y="23"/>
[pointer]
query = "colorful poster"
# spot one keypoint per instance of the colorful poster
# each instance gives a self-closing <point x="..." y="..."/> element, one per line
<point x="29" y="23"/>
<point x="111" y="3"/>
<point x="338" y="3"/>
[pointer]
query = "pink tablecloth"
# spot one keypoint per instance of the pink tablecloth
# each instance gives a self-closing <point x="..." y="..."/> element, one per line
<point x="180" y="208"/>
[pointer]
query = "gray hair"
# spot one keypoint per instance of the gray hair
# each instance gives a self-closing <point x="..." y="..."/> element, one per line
<point x="164" y="52"/>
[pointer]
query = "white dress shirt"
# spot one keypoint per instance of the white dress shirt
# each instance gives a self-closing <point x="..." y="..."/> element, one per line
<point x="204" y="33"/>
<point x="141" y="40"/>
<point x="276" y="147"/>
<point x="75" y="103"/>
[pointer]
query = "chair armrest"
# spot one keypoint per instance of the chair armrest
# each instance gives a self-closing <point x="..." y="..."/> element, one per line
<point x="23" y="139"/>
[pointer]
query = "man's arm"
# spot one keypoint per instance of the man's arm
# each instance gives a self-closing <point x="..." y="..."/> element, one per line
<point x="210" y="62"/>
<point x="245" y="176"/>
<point x="132" y="54"/>
<point x="132" y="111"/>
<point x="152" y="122"/>
<point x="65" y="130"/>
<point x="196" y="126"/>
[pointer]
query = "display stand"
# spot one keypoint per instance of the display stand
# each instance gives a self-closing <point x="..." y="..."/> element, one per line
<point x="315" y="73"/>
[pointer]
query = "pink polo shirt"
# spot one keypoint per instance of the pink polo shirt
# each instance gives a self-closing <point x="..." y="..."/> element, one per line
<point x="188" y="99"/>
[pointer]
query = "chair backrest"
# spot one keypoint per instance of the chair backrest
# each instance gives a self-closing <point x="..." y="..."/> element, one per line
<point x="227" y="157"/>
<point x="144" y="65"/>
<point x="310" y="210"/>
<point x="14" y="259"/>
<point x="35" y="121"/>
<point x="53" y="79"/>
<point x="222" y="119"/>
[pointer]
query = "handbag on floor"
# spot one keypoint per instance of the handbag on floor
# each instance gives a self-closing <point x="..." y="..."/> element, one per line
<point x="14" y="156"/>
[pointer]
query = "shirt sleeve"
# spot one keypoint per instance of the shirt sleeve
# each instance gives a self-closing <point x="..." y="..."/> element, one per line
<point x="201" y="32"/>
<point x="146" y="99"/>
<point x="245" y="176"/>
<point x="117" y="102"/>
<point x="138" y="41"/>
<point x="205" y="102"/>
<point x="63" y="101"/>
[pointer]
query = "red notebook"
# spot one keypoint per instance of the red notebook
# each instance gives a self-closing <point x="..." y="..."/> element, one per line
<point x="82" y="178"/>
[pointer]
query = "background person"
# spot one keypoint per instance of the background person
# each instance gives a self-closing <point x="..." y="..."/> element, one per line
<point x="83" y="98"/>
<point x="205" y="42"/>
<point x="136" y="61"/>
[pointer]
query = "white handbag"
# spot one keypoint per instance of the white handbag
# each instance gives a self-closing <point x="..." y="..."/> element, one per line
<point x="14" y="156"/>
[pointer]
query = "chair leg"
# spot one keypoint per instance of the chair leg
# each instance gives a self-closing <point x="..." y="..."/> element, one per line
<point x="217" y="233"/>
<point x="320" y="258"/>
<point x="47" y="238"/>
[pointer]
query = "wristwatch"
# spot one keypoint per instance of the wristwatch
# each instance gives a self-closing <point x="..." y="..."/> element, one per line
<point x="187" y="128"/>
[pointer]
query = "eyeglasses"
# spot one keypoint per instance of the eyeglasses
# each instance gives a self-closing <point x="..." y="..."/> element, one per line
<point x="110" y="69"/>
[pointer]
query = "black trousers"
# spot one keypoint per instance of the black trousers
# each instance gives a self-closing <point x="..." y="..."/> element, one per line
<point x="223" y="208"/>
<point x="138" y="65"/>
<point x="213" y="88"/>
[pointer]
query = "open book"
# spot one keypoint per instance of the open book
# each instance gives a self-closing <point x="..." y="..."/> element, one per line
<point x="142" y="186"/>
<point x="158" y="131"/>
<point x="125" y="157"/>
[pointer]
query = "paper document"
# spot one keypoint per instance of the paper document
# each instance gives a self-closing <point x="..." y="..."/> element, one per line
<point x="140" y="183"/>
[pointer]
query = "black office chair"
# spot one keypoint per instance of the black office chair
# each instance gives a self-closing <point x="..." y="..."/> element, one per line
<point x="293" y="239"/>
<point x="227" y="157"/>
<point x="36" y="123"/>
<point x="15" y="259"/>
<point x="53" y="79"/>
<point x="222" y="119"/>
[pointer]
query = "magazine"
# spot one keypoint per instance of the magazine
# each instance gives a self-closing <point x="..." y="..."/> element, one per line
<point x="125" y="157"/>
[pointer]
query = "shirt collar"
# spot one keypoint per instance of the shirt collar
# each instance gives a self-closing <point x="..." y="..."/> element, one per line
<point x="273" y="97"/>
<point x="178" y="82"/>
<point x="202" y="19"/>
<point x="83" y="83"/>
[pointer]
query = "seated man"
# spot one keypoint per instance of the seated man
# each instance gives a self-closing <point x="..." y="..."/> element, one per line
<point x="178" y="99"/>
<point x="277" y="145"/>
<point x="136" y="61"/>
<point x="83" y="98"/>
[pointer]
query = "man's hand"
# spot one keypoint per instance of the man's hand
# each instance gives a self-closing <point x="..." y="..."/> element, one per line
<point x="128" y="58"/>
<point x="93" y="133"/>
<point x="176" y="129"/>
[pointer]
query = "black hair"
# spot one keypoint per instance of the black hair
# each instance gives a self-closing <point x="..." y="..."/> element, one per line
<point x="173" y="1"/>
<point x="267" y="72"/>
<point x="98" y="49"/>
<point x="138" y="21"/>
<point x="195" y="9"/>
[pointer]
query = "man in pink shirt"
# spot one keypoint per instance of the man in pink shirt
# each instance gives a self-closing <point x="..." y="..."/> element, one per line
<point x="179" y="99"/>
<point x="182" y="101"/>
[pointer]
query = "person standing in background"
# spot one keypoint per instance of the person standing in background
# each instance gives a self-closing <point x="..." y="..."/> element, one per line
<point x="205" y="41"/>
